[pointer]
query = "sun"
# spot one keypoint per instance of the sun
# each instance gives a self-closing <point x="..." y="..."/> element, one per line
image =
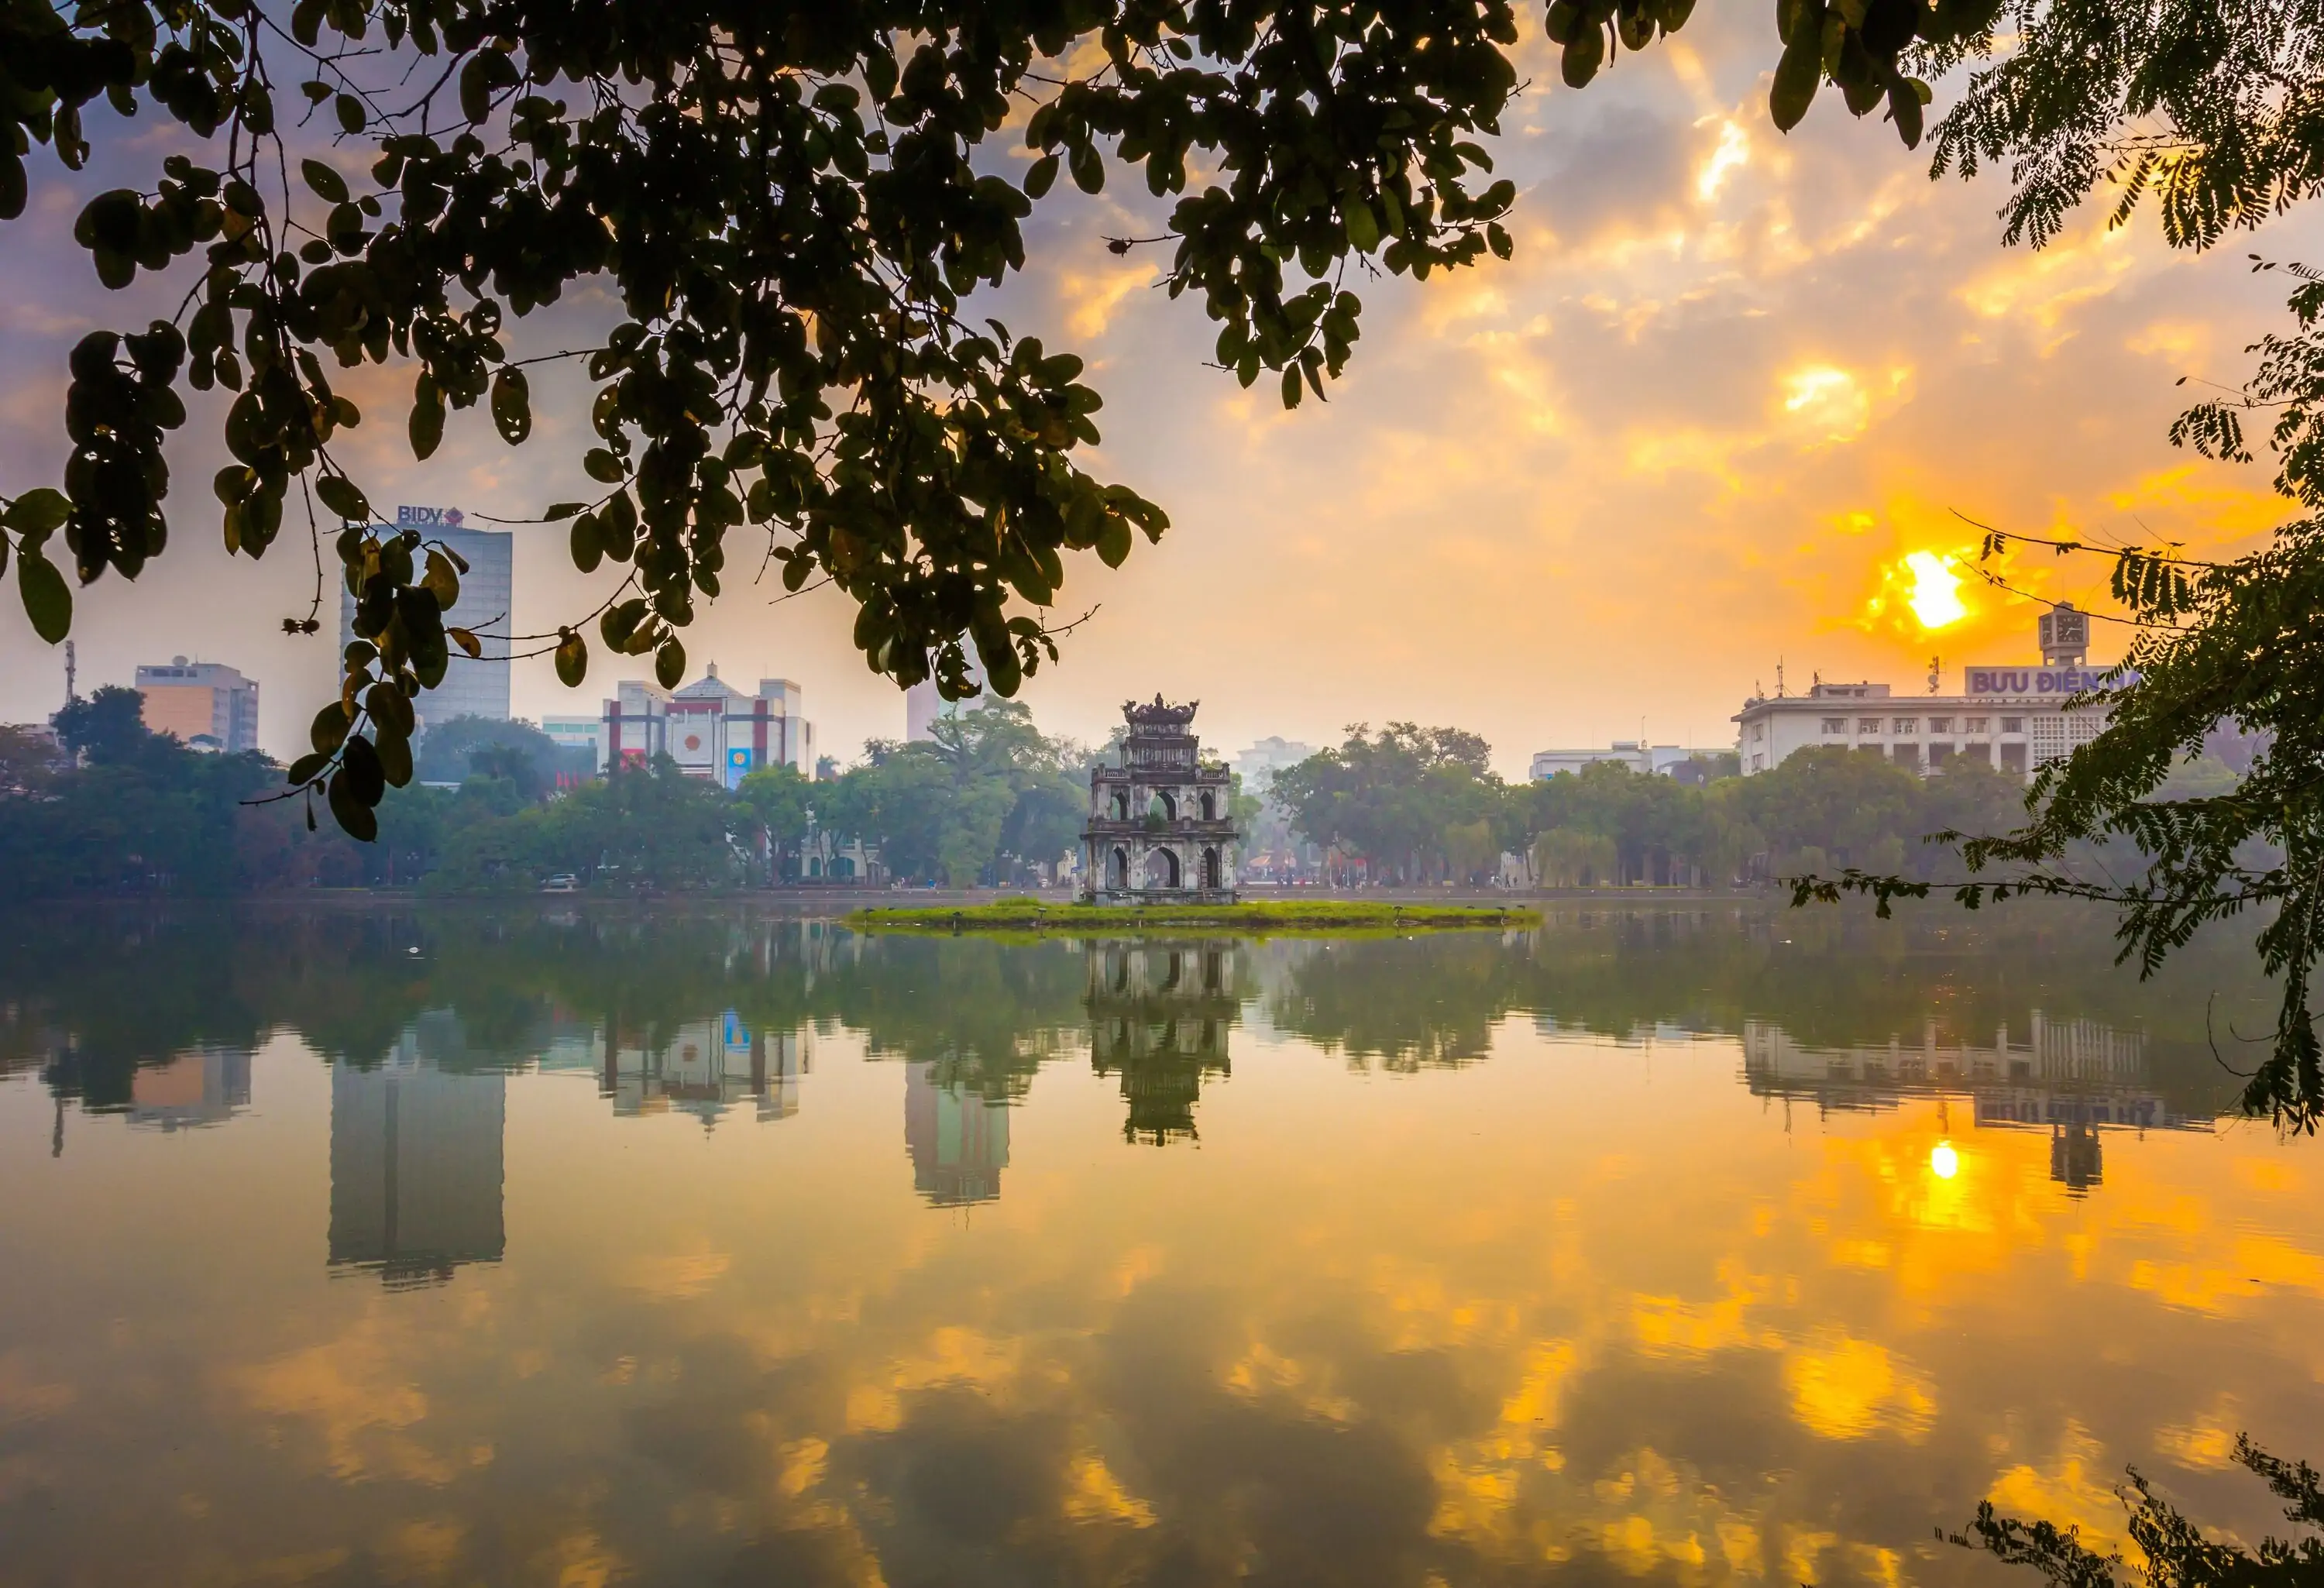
<point x="1936" y="597"/>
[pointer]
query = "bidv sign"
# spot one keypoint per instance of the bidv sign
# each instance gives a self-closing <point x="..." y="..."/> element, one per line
<point x="2060" y="681"/>
<point x="428" y="518"/>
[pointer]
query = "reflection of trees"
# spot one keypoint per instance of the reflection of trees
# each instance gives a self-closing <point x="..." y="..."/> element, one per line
<point x="986" y="1014"/>
<point x="92" y="995"/>
<point x="2175" y="1550"/>
<point x="1411" y="1004"/>
<point x="1159" y="1016"/>
<point x="1825" y="978"/>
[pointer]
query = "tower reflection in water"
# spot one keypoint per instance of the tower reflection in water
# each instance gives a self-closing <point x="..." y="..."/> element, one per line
<point x="416" y="1166"/>
<point x="1159" y="1016"/>
<point x="957" y="1138"/>
<point x="2073" y="1078"/>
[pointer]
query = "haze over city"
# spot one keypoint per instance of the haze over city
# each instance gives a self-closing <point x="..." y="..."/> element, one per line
<point x="1721" y="410"/>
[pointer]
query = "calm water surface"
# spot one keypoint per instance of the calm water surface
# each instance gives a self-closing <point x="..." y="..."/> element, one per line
<point x="1718" y="1244"/>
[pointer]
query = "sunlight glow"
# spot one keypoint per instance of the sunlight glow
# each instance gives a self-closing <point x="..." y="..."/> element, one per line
<point x="1943" y="1162"/>
<point x="1936" y="598"/>
<point x="1733" y="150"/>
<point x="1828" y="400"/>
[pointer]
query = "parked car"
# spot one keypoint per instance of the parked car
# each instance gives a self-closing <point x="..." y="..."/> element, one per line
<point x="562" y="882"/>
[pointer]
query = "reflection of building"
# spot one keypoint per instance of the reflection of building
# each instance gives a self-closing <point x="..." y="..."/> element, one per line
<point x="2009" y="717"/>
<point x="207" y="705"/>
<point x="1159" y="830"/>
<point x="470" y="688"/>
<point x="958" y="1140"/>
<point x="1159" y="1016"/>
<point x="708" y="1068"/>
<point x="2071" y="1077"/>
<point x="199" y="1087"/>
<point x="416" y="1167"/>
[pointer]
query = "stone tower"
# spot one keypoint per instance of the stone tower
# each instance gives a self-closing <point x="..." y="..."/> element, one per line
<point x="1159" y="830"/>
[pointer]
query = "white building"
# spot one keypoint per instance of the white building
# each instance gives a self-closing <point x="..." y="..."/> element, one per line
<point x="1645" y="759"/>
<point x="206" y="704"/>
<point x="470" y="688"/>
<point x="1258" y="766"/>
<point x="710" y="728"/>
<point x="2010" y="718"/>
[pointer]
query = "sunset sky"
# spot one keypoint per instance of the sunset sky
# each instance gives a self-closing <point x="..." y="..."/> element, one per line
<point x="1730" y="384"/>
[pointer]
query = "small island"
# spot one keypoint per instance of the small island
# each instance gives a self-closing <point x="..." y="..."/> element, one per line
<point x="1290" y="915"/>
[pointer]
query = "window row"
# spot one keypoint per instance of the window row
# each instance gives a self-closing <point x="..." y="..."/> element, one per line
<point x="1937" y="724"/>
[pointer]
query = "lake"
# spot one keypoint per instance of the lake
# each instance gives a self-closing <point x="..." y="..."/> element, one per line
<point x="398" y="1243"/>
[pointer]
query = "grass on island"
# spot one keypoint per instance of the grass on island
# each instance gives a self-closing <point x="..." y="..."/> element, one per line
<point x="1269" y="915"/>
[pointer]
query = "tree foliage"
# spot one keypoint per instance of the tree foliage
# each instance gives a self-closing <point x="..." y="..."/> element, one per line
<point x="1421" y="804"/>
<point x="2177" y="1554"/>
<point x="986" y="794"/>
<point x="793" y="207"/>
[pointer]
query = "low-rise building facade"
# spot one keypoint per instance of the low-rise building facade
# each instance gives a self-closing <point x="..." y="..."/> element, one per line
<point x="2014" y="718"/>
<point x="711" y="729"/>
<point x="1645" y="759"/>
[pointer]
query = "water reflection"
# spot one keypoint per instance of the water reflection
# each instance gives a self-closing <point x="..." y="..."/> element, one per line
<point x="2070" y="1078"/>
<point x="200" y="1086"/>
<point x="957" y="1140"/>
<point x="416" y="1168"/>
<point x="1159" y="1015"/>
<point x="1497" y="1263"/>
<point x="705" y="1067"/>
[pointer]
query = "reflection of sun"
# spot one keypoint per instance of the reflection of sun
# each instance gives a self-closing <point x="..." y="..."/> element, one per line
<point x="1943" y="1162"/>
<point x="1936" y="598"/>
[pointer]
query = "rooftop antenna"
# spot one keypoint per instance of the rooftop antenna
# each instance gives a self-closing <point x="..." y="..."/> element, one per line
<point x="71" y="673"/>
<point x="1933" y="671"/>
<point x="1779" y="677"/>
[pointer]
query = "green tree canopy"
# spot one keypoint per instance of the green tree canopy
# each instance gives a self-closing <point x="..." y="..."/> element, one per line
<point x="1394" y="797"/>
<point x="987" y="791"/>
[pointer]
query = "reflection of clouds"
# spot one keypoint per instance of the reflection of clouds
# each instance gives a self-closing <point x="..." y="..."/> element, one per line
<point x="356" y="1395"/>
<point x="1558" y="1306"/>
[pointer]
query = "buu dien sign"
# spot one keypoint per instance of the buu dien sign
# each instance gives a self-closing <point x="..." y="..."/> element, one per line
<point x="2058" y="681"/>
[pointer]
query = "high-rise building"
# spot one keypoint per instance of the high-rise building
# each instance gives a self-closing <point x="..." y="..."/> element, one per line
<point x="922" y="705"/>
<point x="470" y="688"/>
<point x="207" y="704"/>
<point x="416" y="1167"/>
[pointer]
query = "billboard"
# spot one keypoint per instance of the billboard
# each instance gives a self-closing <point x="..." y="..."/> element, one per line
<point x="738" y="766"/>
